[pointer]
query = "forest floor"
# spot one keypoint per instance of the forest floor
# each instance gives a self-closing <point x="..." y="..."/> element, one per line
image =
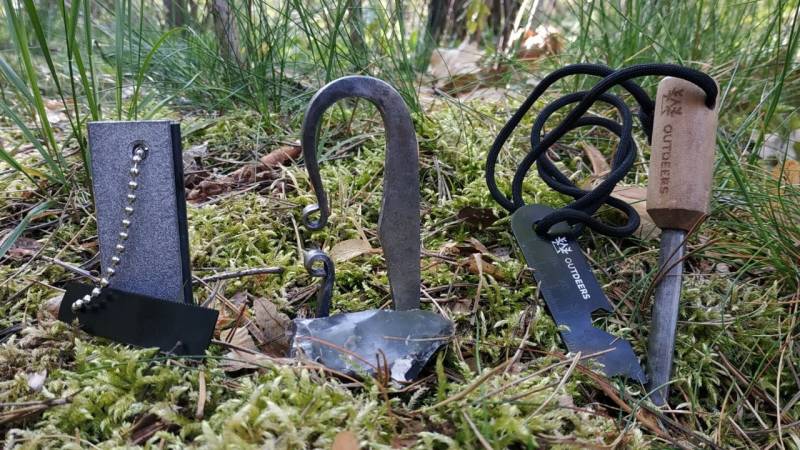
<point x="504" y="381"/>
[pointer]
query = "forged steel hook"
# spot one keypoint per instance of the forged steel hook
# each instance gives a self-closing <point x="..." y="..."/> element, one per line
<point x="399" y="222"/>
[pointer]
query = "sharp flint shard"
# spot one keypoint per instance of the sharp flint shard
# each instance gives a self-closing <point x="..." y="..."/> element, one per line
<point x="358" y="343"/>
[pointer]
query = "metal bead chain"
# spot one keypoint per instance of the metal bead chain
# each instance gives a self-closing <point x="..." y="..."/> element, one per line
<point x="119" y="249"/>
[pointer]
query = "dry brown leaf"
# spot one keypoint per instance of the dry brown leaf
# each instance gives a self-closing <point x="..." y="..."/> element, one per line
<point x="456" y="66"/>
<point x="263" y="170"/>
<point x="24" y="247"/>
<point x="52" y="305"/>
<point x="479" y="246"/>
<point x="238" y="299"/>
<point x="486" y="268"/>
<point x="193" y="157"/>
<point x="230" y="316"/>
<point x="449" y="249"/>
<point x="636" y="196"/>
<point x="599" y="164"/>
<point x="144" y="428"/>
<point x="479" y="217"/>
<point x="460" y="306"/>
<point x="251" y="173"/>
<point x="349" y="249"/>
<point x="238" y="359"/>
<point x="281" y="155"/>
<point x="55" y="112"/>
<point x="542" y="41"/>
<point x="790" y="171"/>
<point x="273" y="325"/>
<point x="208" y="188"/>
<point x="239" y="337"/>
<point x="345" y="440"/>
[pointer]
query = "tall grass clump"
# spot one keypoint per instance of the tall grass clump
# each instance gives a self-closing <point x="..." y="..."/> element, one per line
<point x="54" y="55"/>
<point x="274" y="54"/>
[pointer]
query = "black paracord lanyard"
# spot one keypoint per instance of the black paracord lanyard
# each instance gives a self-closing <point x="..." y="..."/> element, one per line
<point x="579" y="212"/>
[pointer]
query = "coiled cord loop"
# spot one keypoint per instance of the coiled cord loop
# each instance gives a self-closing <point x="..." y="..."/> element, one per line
<point x="578" y="214"/>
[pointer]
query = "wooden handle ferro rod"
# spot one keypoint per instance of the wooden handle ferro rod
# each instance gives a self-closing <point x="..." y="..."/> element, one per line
<point x="678" y="195"/>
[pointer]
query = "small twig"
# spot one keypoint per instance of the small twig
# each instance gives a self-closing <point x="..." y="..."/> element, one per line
<point x="74" y="269"/>
<point x="436" y="304"/>
<point x="242" y="273"/>
<point x="531" y="391"/>
<point x="560" y="386"/>
<point x="648" y="420"/>
<point x="472" y="386"/>
<point x="518" y="354"/>
<point x="477" y="432"/>
<point x="527" y="377"/>
<point x="30" y="408"/>
<point x="741" y="432"/>
<point x="477" y="301"/>
<point x="48" y="402"/>
<point x="240" y="348"/>
<point x="201" y="396"/>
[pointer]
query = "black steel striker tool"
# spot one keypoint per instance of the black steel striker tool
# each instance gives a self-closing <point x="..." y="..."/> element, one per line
<point x="399" y="341"/>
<point x="547" y="237"/>
<point x="572" y="294"/>
<point x="144" y="295"/>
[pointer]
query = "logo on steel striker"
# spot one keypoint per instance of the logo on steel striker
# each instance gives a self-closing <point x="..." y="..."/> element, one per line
<point x="561" y="246"/>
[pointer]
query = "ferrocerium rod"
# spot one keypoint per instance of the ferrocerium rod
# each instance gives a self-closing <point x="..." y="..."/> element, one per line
<point x="663" y="325"/>
<point x="678" y="194"/>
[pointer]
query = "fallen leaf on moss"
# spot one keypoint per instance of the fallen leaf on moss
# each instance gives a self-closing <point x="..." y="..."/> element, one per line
<point x="636" y="196"/>
<point x="599" y="164"/>
<point x="281" y="155"/>
<point x="349" y="249"/>
<point x="479" y="217"/>
<point x="537" y="43"/>
<point x="455" y="68"/>
<point x="52" y="305"/>
<point x="146" y="427"/>
<point x="238" y="359"/>
<point x="484" y="267"/>
<point x="345" y="440"/>
<point x="273" y="326"/>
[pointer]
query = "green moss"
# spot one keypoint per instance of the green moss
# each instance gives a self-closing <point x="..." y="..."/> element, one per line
<point x="743" y="321"/>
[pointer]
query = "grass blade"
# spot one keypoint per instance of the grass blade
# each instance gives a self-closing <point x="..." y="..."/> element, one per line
<point x="28" y="134"/>
<point x="12" y="237"/>
<point x="133" y="111"/>
<point x="11" y="161"/>
<point x="21" y="37"/>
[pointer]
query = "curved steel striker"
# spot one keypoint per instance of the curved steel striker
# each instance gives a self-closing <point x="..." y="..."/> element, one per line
<point x="399" y="222"/>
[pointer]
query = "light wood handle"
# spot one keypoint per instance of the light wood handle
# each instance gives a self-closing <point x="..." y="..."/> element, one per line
<point x="682" y="158"/>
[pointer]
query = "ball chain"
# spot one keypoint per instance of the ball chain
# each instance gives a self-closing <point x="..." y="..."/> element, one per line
<point x="138" y="155"/>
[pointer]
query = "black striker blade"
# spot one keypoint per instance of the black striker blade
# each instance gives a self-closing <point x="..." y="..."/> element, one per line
<point x="572" y="295"/>
<point x="142" y="321"/>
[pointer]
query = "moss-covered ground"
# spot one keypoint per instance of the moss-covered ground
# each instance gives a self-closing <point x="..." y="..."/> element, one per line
<point x="505" y="380"/>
